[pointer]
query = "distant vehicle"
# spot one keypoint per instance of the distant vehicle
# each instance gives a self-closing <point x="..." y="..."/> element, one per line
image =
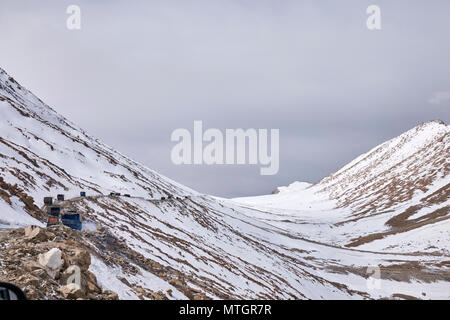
<point x="114" y="194"/>
<point x="170" y="197"/>
<point x="48" y="201"/>
<point x="53" y="221"/>
<point x="72" y="220"/>
<point x="163" y="198"/>
<point x="82" y="194"/>
<point x="127" y="195"/>
<point x="54" y="212"/>
<point x="60" y="197"/>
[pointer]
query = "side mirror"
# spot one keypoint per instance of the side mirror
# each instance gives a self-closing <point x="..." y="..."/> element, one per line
<point x="9" y="291"/>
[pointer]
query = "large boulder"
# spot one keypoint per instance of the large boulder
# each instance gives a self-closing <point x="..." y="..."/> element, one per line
<point x="36" y="233"/>
<point x="51" y="259"/>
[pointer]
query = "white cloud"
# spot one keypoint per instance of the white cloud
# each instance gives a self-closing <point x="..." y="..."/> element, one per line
<point x="441" y="98"/>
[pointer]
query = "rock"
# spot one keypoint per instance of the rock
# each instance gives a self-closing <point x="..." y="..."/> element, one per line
<point x="44" y="269"/>
<point x="200" y="296"/>
<point x="71" y="291"/>
<point x="51" y="259"/>
<point x="109" y="295"/>
<point x="32" y="266"/>
<point x="40" y="273"/>
<point x="113" y="296"/>
<point x="176" y="282"/>
<point x="29" y="230"/>
<point x="36" y="233"/>
<point x="92" y="296"/>
<point x="92" y="282"/>
<point x="80" y="258"/>
<point x="92" y="287"/>
<point x="29" y="280"/>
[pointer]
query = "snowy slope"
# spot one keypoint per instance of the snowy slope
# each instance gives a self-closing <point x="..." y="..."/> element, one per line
<point x="290" y="245"/>
<point x="382" y="200"/>
<point x="293" y="187"/>
<point x="43" y="153"/>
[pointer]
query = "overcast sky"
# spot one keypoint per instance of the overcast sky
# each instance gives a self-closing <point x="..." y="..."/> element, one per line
<point x="137" y="70"/>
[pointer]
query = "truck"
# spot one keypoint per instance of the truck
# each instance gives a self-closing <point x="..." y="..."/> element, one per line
<point x="48" y="201"/>
<point x="54" y="213"/>
<point x="72" y="219"/>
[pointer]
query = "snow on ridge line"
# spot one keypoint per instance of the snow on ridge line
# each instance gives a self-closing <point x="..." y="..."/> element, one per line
<point x="49" y="122"/>
<point x="293" y="187"/>
<point x="424" y="130"/>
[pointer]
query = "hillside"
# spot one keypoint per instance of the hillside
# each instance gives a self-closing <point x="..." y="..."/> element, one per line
<point x="196" y="246"/>
<point x="396" y="197"/>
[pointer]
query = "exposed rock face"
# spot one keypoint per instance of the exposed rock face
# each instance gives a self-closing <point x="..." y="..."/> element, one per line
<point x="49" y="263"/>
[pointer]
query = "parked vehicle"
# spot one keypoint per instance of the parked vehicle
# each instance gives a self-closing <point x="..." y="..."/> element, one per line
<point x="48" y="201"/>
<point x="54" y="213"/>
<point x="54" y="210"/>
<point x="53" y="221"/>
<point x="72" y="220"/>
<point x="60" y="197"/>
<point x="82" y="194"/>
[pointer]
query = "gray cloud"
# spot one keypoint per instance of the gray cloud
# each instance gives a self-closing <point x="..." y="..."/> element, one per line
<point x="140" y="69"/>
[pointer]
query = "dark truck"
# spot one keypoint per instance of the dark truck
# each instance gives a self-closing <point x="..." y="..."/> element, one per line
<point x="72" y="220"/>
<point x="54" y="213"/>
<point x="48" y="201"/>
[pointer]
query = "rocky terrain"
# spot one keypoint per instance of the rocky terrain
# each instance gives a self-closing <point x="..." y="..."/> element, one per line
<point x="386" y="211"/>
<point x="41" y="261"/>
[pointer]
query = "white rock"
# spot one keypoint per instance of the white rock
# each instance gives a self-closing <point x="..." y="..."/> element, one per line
<point x="51" y="259"/>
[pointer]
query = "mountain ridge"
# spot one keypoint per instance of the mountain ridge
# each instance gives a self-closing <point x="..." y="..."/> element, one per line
<point x="192" y="245"/>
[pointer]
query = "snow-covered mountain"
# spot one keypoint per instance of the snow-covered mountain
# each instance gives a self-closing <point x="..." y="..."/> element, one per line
<point x="293" y="187"/>
<point x="298" y="244"/>
<point x="43" y="153"/>
<point x="396" y="196"/>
